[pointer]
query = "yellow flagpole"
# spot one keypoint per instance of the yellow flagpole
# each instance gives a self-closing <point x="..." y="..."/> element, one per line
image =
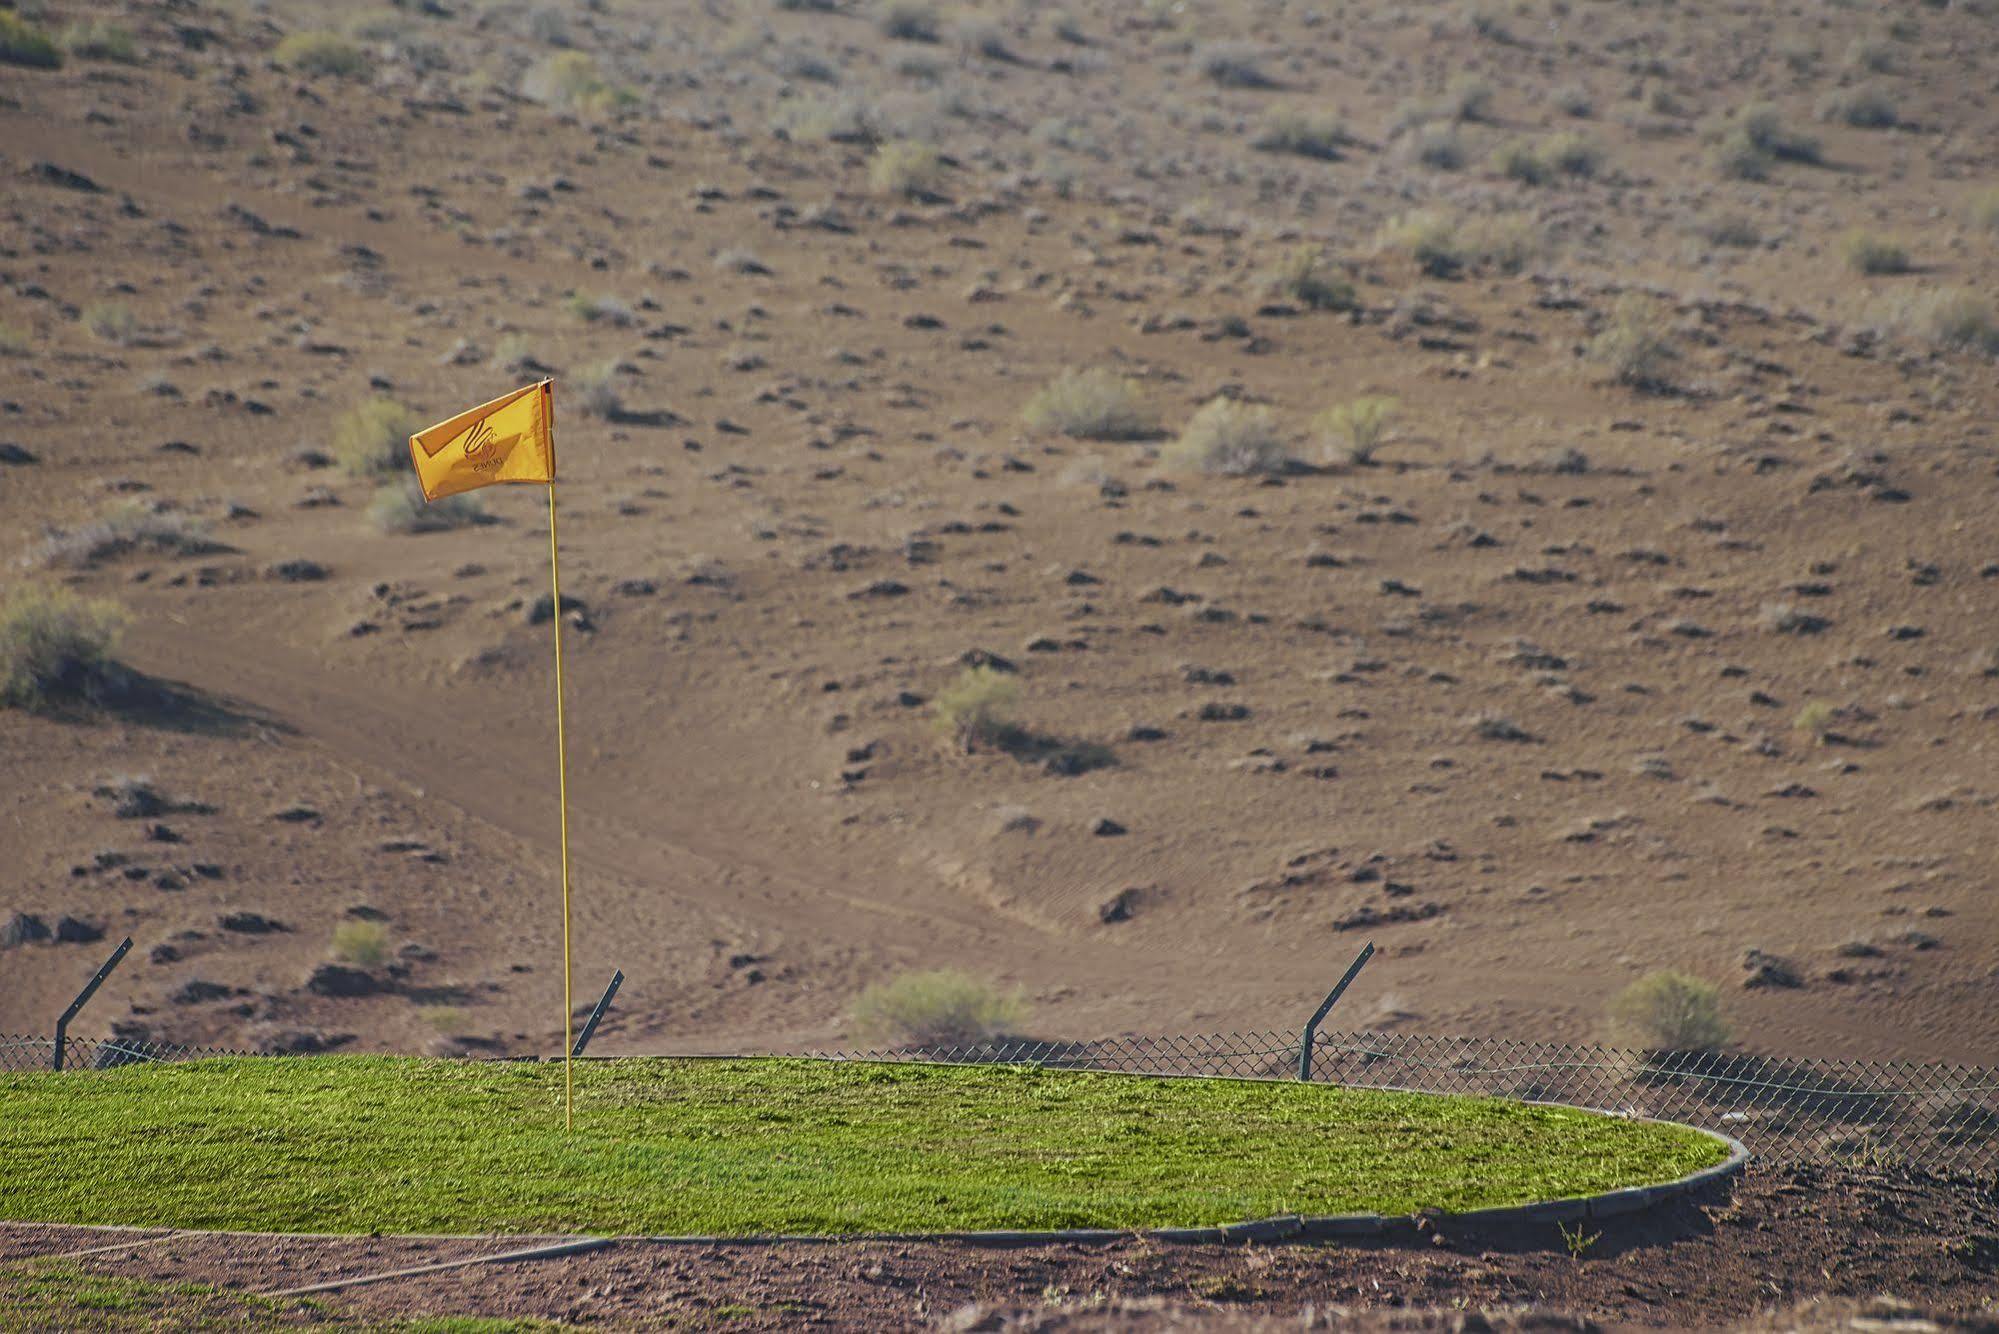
<point x="562" y="789"/>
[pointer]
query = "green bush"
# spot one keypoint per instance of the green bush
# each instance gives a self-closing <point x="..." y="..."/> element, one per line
<point x="1305" y="277"/>
<point x="1870" y="254"/>
<point x="1669" y="1012"/>
<point x="1982" y="210"/>
<point x="1318" y="135"/>
<point x="22" y="43"/>
<point x="399" y="507"/>
<point x="56" y="646"/>
<point x="1229" y="438"/>
<point x="945" y="1008"/>
<point x="363" y="944"/>
<point x="321" y="53"/>
<point x="1352" y="432"/>
<point x="1634" y="345"/>
<point x="977" y="709"/>
<point x="372" y="438"/>
<point x="14" y="341"/>
<point x="909" y="170"/>
<point x="1091" y="404"/>
<point x="98" y="39"/>
<point x="1503" y="241"/>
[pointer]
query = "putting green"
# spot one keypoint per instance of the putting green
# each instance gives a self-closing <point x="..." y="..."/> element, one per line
<point x="379" y="1144"/>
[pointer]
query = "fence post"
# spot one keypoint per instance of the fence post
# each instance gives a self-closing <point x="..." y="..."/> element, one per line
<point x="603" y="1004"/>
<point x="1312" y="1024"/>
<point x="89" y="990"/>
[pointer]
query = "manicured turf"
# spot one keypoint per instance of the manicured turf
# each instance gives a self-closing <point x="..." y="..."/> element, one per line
<point x="363" y="1144"/>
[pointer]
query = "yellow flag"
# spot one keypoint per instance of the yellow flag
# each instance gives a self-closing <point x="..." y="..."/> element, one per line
<point x="511" y="439"/>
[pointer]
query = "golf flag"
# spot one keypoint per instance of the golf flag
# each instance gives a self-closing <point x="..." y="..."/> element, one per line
<point x="511" y="439"/>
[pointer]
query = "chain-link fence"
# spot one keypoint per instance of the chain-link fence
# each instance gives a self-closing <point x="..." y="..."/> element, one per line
<point x="1936" y="1118"/>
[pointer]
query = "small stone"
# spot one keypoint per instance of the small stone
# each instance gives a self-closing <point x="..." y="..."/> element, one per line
<point x="23" y="929"/>
<point x="338" y="980"/>
<point x="251" y="924"/>
<point x="1767" y="970"/>
<point x="1105" y="827"/>
<point x="76" y="931"/>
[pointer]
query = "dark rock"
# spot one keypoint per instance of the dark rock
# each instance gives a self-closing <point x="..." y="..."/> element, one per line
<point x="1217" y="712"/>
<point x="1145" y="732"/>
<point x="332" y="979"/>
<point x="298" y="813"/>
<point x="15" y="456"/>
<point x="363" y="912"/>
<point x="76" y="931"/>
<point x="1767" y="970"/>
<point x="304" y="1042"/>
<point x="51" y="174"/>
<point x="164" y="953"/>
<point x="198" y="990"/>
<point x="542" y="610"/>
<point x="1120" y="906"/>
<point x="251" y="924"/>
<point x="296" y="571"/>
<point x="23" y="929"/>
<point x="1105" y="827"/>
<point x="880" y="588"/>
<point x="978" y="657"/>
<point x="159" y="833"/>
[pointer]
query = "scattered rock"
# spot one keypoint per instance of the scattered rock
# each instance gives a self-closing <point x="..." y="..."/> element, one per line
<point x="1121" y="906"/>
<point x="76" y="931"/>
<point x="251" y="924"/>
<point x="1767" y="970"/>
<point x="197" y="991"/>
<point x="338" y="980"/>
<point x="23" y="929"/>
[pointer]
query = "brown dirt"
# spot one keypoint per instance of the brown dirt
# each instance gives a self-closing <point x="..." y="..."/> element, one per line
<point x="763" y="823"/>
<point x="1810" y="1241"/>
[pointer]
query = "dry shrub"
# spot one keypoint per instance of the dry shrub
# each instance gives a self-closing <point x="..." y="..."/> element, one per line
<point x="1669" y="1011"/>
<point x="908" y="21"/>
<point x="1232" y="65"/>
<point x="321" y="52"/>
<point x="372" y="438"/>
<point x="1318" y="135"/>
<point x="1305" y="277"/>
<point x="57" y="647"/>
<point x="1352" y="432"/>
<point x="1954" y="319"/>
<point x="399" y="507"/>
<point x="1091" y="404"/>
<point x="129" y="526"/>
<point x="571" y="80"/>
<point x="1634" y="345"/>
<point x="977" y="709"/>
<point x="363" y="944"/>
<point x="22" y="43"/>
<point x="910" y="170"/>
<point x="944" y="1008"/>
<point x="1871" y="254"/>
<point x="1229" y="438"/>
<point x="100" y="39"/>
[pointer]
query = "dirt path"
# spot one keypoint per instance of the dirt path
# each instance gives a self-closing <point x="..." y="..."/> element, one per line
<point x="1776" y="1240"/>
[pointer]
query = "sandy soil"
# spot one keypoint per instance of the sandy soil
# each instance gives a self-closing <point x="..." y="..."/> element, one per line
<point x="818" y="498"/>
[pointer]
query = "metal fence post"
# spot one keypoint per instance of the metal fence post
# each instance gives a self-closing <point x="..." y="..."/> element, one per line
<point x="1312" y="1024"/>
<point x="603" y="1004"/>
<point x="89" y="990"/>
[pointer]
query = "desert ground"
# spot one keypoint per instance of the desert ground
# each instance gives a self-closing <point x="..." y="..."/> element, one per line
<point x="1657" y="629"/>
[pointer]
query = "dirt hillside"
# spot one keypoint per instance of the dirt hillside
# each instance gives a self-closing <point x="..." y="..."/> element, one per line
<point x="1660" y="628"/>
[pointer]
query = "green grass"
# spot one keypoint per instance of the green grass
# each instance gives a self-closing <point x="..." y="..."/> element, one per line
<point x="43" y="1295"/>
<point x="362" y="1144"/>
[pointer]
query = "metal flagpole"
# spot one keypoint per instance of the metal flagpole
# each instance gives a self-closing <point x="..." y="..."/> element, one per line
<point x="562" y="789"/>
